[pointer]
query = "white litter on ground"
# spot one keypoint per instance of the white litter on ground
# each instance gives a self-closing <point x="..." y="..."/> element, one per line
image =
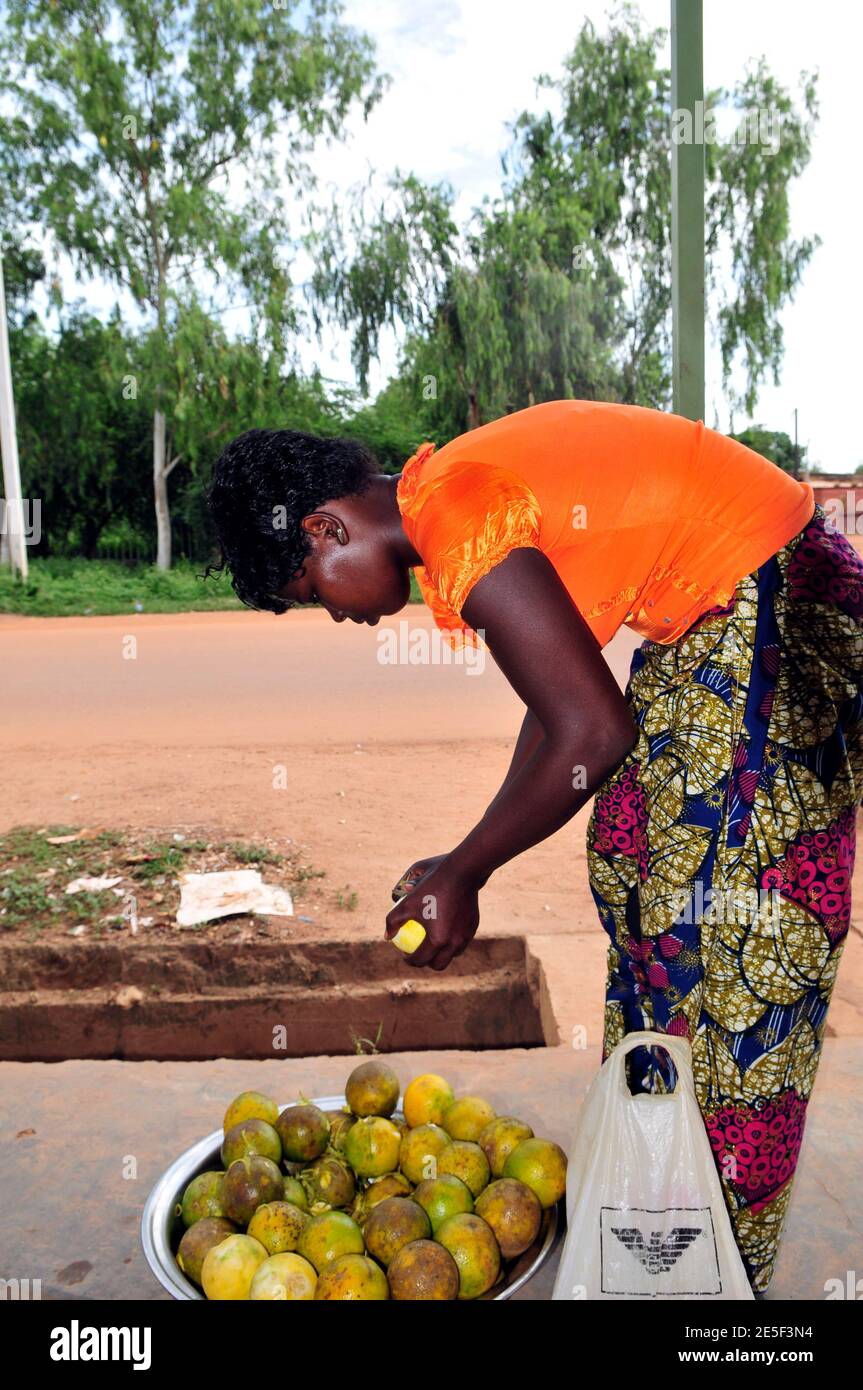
<point x="207" y="897"/>
<point x="92" y="885"/>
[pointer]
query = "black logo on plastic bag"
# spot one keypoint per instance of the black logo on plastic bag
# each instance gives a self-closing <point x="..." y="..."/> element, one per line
<point x="669" y="1252"/>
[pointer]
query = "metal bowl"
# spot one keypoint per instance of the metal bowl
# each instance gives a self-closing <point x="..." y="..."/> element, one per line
<point x="162" y="1228"/>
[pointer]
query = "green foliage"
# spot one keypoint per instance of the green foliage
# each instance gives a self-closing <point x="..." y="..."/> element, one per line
<point x="776" y="446"/>
<point x="83" y="443"/>
<point x="562" y="285"/>
<point x="131" y="133"/>
<point x="255" y="854"/>
<point x="65" y="587"/>
<point x="62" y="587"/>
<point x="125" y="124"/>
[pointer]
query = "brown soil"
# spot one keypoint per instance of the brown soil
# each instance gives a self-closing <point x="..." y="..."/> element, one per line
<point x="244" y="727"/>
<point x="39" y="864"/>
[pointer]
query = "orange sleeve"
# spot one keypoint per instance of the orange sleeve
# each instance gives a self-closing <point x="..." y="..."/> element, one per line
<point x="471" y="518"/>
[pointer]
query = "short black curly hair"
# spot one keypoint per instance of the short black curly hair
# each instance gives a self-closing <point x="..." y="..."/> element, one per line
<point x="263" y="484"/>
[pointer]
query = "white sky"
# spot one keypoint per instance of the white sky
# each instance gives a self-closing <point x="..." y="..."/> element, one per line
<point x="462" y="68"/>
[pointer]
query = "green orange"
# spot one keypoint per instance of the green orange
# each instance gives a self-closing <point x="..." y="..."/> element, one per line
<point x="541" y="1164"/>
<point x="372" y="1089"/>
<point x="251" y="1137"/>
<point x="466" y="1160"/>
<point x="285" y="1277"/>
<point x="392" y="1224"/>
<point x="419" y="1151"/>
<point x="197" y="1240"/>
<point x="304" y="1131"/>
<point x="250" y="1105"/>
<point x="328" y="1236"/>
<point x="203" y="1197"/>
<point x="473" y="1246"/>
<point x="353" y="1278"/>
<point x="499" y="1138"/>
<point x="441" y="1197"/>
<point x="278" y="1226"/>
<point x="514" y="1214"/>
<point x="467" y="1117"/>
<point x="423" y="1272"/>
<point x="372" y="1147"/>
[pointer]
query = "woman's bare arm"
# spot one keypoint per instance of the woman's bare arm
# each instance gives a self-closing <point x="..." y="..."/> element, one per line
<point x="579" y="727"/>
<point x="580" y="730"/>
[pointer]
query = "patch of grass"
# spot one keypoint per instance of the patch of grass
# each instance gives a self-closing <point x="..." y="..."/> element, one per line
<point x="34" y="876"/>
<point x="32" y="845"/>
<point x="305" y="871"/>
<point x="71" y="587"/>
<point x="167" y="859"/>
<point x="347" y="899"/>
<point x="255" y="854"/>
<point x="23" y="898"/>
<point x="59" y="587"/>
<point x="88" y="907"/>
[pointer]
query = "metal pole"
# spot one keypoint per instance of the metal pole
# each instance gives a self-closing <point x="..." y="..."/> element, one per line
<point x="13" y="513"/>
<point x="687" y="207"/>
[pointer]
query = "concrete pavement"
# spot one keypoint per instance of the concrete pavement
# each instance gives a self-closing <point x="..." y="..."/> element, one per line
<point x="81" y="1144"/>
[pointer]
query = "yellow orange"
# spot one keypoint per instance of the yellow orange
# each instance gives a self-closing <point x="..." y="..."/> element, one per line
<point x="427" y="1099"/>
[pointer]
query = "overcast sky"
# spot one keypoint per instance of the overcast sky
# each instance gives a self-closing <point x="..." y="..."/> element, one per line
<point x="462" y="68"/>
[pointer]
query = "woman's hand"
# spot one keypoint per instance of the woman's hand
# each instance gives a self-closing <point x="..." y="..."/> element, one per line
<point x="411" y="876"/>
<point x="446" y="902"/>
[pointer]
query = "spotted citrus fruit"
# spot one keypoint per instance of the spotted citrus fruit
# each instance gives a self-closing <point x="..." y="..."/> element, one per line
<point x="541" y="1164"/>
<point x="372" y="1089"/>
<point x="285" y="1277"/>
<point x="419" y="1150"/>
<point x="372" y="1147"/>
<point x="250" y="1105"/>
<point x="466" y="1160"/>
<point x="353" y="1278"/>
<point x="473" y="1246"/>
<point x="467" y="1117"/>
<point x="229" y="1268"/>
<point x="499" y="1138"/>
<point x="423" y="1271"/>
<point x="427" y="1099"/>
<point x="514" y="1214"/>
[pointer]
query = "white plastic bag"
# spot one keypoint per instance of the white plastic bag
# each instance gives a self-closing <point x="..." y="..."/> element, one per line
<point x="645" y="1211"/>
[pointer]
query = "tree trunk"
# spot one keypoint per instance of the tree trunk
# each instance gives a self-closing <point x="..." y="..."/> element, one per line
<point x="160" y="493"/>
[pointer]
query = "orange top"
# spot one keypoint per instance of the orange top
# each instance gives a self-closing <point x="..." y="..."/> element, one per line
<point x="648" y="518"/>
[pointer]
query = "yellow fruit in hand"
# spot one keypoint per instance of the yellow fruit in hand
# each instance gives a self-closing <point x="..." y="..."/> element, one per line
<point x="410" y="936"/>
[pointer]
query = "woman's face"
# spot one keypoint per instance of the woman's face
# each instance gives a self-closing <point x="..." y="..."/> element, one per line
<point x="357" y="578"/>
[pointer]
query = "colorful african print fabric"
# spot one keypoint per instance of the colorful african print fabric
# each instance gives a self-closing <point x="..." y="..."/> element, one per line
<point x="720" y="856"/>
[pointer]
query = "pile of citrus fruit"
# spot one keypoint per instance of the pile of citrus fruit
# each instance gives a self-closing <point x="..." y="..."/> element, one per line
<point x="361" y="1203"/>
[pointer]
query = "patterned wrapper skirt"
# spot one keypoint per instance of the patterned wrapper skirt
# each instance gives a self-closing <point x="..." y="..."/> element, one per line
<point x="720" y="857"/>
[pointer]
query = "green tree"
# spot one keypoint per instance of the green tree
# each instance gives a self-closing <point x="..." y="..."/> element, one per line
<point x="83" y="445"/>
<point x="562" y="285"/>
<point x="156" y="140"/>
<point x="775" y="445"/>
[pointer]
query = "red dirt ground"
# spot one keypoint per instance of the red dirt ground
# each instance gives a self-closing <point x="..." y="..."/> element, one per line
<point x="247" y="726"/>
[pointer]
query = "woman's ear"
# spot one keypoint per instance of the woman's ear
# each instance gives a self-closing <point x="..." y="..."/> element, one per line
<point x="324" y="524"/>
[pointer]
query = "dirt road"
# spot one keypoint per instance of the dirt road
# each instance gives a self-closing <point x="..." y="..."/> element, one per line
<point x="248" y="724"/>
